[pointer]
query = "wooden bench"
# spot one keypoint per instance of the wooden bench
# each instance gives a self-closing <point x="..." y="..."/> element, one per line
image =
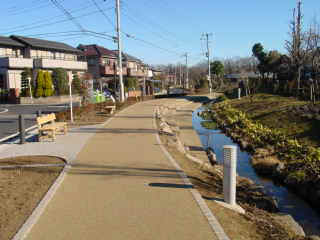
<point x="110" y="109"/>
<point x="48" y="127"/>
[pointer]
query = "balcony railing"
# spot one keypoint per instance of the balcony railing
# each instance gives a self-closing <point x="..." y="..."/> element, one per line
<point x="107" y="70"/>
<point x="134" y="73"/>
<point x="55" y="63"/>
<point x="16" y="62"/>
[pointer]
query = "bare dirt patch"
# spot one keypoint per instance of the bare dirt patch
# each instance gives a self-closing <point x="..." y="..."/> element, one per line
<point x="92" y="114"/>
<point x="21" y="189"/>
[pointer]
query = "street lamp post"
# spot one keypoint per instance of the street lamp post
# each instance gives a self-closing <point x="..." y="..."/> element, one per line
<point x="30" y="90"/>
<point x="70" y="95"/>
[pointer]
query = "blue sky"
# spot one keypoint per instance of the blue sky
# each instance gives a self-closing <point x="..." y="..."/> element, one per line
<point x="164" y="29"/>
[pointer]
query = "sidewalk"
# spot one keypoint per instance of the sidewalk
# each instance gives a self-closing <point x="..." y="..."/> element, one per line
<point x="122" y="186"/>
<point x="188" y="135"/>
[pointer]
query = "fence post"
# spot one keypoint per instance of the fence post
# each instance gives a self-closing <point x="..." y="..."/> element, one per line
<point x="22" y="129"/>
<point x="239" y="93"/>
<point x="229" y="174"/>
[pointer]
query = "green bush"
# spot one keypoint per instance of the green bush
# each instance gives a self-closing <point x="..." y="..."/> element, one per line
<point x="60" y="81"/>
<point x="48" y="86"/>
<point x="222" y="98"/>
<point x="40" y="84"/>
<point x="76" y="84"/>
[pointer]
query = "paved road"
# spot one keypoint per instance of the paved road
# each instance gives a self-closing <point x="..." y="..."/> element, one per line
<point x="9" y="114"/>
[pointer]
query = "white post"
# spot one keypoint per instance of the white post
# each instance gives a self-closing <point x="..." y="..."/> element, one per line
<point x="239" y="93"/>
<point x="30" y="90"/>
<point x="70" y="93"/>
<point x="229" y="174"/>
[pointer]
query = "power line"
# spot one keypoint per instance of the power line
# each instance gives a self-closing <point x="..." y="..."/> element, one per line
<point x="55" y="22"/>
<point x="71" y="33"/>
<point x="20" y="10"/>
<point x="132" y="19"/>
<point x="83" y="7"/>
<point x="152" y="23"/>
<point x="151" y="44"/>
<point x="103" y="13"/>
<point x="67" y="13"/>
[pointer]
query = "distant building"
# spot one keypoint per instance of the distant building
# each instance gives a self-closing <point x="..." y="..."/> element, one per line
<point x="103" y="65"/>
<point x="18" y="52"/>
<point x="236" y="77"/>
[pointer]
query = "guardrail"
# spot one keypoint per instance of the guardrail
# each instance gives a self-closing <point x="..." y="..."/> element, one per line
<point x="17" y="134"/>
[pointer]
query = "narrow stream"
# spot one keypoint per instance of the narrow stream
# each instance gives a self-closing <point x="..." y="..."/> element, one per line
<point x="288" y="202"/>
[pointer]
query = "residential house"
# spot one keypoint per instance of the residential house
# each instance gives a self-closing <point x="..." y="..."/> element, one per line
<point x="18" y="53"/>
<point x="103" y="64"/>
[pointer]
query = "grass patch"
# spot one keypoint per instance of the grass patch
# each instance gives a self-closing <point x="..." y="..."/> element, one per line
<point x="276" y="112"/>
<point x="209" y="124"/>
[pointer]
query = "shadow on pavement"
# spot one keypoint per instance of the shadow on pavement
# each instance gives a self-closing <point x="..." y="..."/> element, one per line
<point x="196" y="148"/>
<point x="114" y="130"/>
<point x="137" y="117"/>
<point x="171" y="185"/>
<point x="107" y="170"/>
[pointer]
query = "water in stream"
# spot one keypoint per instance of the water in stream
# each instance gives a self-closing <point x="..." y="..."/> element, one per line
<point x="287" y="201"/>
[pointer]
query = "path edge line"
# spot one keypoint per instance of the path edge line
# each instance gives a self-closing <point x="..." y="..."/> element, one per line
<point x="213" y="222"/>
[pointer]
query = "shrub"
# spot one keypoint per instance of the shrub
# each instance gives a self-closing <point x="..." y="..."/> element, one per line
<point x="48" y="86"/>
<point x="40" y="84"/>
<point x="76" y="84"/>
<point x="60" y="81"/>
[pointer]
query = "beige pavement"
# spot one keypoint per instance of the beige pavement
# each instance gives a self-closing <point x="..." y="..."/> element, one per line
<point x="188" y="135"/>
<point x="122" y="186"/>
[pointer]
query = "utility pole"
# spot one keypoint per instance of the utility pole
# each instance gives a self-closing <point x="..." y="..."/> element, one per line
<point x="207" y="35"/>
<point x="187" y="71"/>
<point x="119" y="52"/>
<point x="175" y="75"/>
<point x="180" y="83"/>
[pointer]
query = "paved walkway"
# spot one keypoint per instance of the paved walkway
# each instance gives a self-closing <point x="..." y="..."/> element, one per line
<point x="188" y="135"/>
<point x="122" y="186"/>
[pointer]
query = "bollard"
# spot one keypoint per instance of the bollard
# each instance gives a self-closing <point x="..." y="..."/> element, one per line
<point x="39" y="113"/>
<point x="22" y="129"/>
<point x="229" y="174"/>
<point x="239" y="93"/>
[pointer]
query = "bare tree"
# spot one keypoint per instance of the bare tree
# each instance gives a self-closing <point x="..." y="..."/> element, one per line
<point x="296" y="46"/>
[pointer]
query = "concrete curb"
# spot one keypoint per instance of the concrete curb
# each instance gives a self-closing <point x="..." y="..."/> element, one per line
<point x="215" y="225"/>
<point x="33" y="166"/>
<point x="17" y="134"/>
<point x="39" y="209"/>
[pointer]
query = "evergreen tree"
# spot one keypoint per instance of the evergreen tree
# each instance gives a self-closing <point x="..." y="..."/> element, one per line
<point x="76" y="84"/>
<point x="60" y="81"/>
<point x="40" y="84"/>
<point x="48" y="90"/>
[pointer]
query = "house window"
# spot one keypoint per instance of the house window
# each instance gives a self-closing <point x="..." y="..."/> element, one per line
<point x="24" y="83"/>
<point x="91" y="61"/>
<point x="2" y="82"/>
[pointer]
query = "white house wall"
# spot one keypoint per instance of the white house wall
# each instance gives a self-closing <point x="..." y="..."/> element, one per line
<point x="53" y="63"/>
<point x="14" y="78"/>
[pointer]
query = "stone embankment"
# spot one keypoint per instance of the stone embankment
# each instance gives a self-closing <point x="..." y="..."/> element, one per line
<point x="168" y="125"/>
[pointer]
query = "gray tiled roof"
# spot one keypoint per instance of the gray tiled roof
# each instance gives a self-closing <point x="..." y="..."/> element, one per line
<point x="40" y="43"/>
<point x="9" y="42"/>
<point x="128" y="57"/>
